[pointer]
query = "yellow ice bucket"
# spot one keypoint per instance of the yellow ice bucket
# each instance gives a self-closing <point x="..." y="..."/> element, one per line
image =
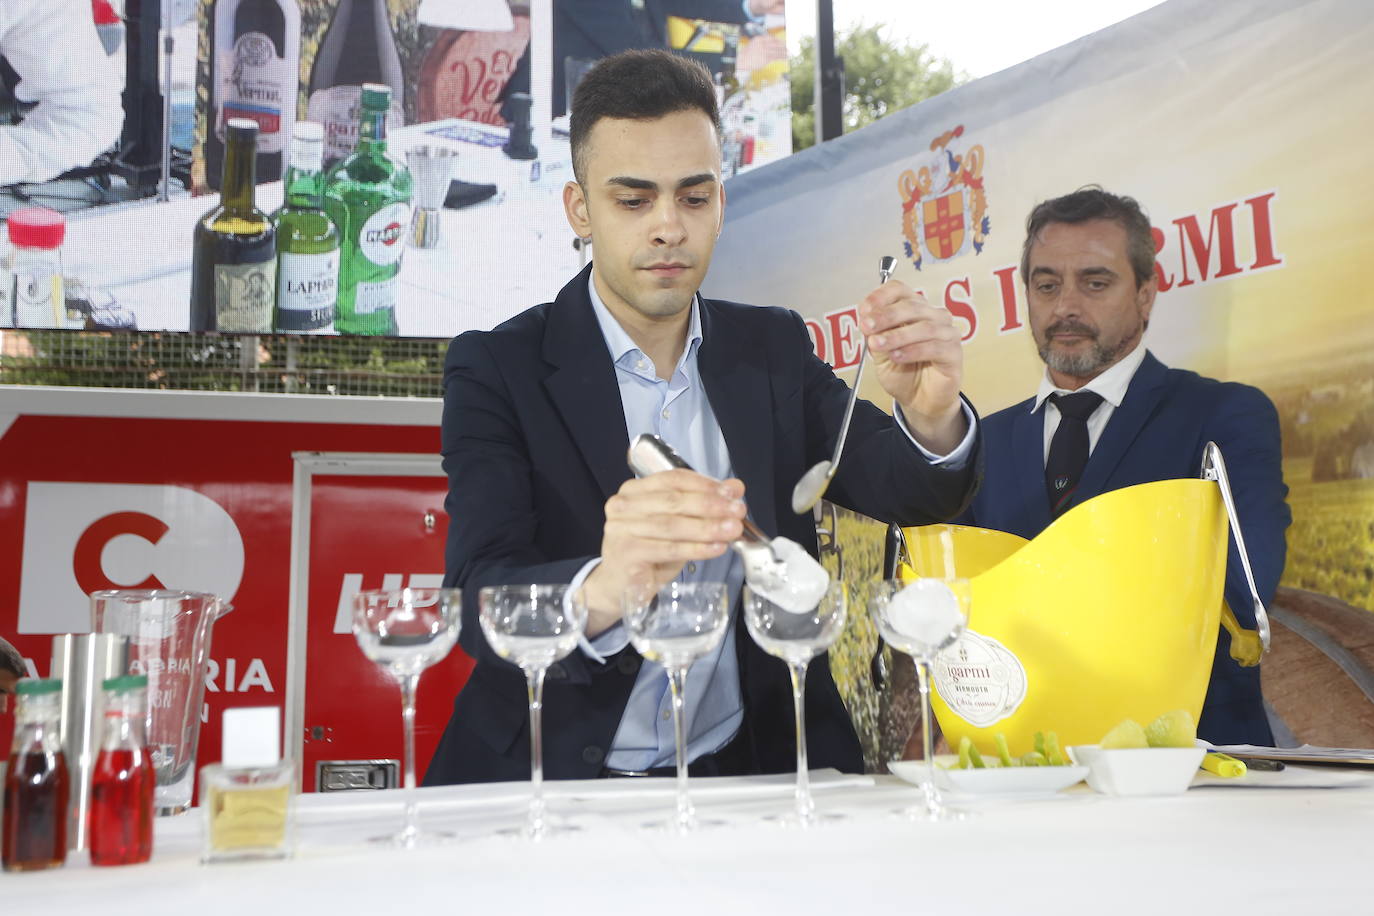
<point x="1110" y="613"/>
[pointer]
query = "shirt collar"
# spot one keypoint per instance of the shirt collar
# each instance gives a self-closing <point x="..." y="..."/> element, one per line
<point x="1111" y="384"/>
<point x="618" y="340"/>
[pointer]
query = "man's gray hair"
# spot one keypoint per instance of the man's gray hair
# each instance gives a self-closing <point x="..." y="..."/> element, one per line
<point x="11" y="660"/>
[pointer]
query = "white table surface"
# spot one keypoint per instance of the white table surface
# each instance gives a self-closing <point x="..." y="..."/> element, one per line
<point x="495" y="259"/>
<point x="1269" y="846"/>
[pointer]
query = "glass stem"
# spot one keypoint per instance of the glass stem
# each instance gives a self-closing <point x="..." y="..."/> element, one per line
<point x="806" y="808"/>
<point x="534" y="679"/>
<point x="411" y="830"/>
<point x="677" y="682"/>
<point x="927" y="784"/>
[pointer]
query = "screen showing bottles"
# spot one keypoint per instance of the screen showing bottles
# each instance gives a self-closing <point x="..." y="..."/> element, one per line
<point x="376" y="167"/>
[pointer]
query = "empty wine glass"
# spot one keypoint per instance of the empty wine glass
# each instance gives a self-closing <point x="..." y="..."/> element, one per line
<point x="533" y="626"/>
<point x="405" y="631"/>
<point x="922" y="618"/>
<point x="796" y="638"/>
<point x="673" y="626"/>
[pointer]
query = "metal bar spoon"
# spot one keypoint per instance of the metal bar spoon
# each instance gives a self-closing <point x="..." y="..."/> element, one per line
<point x="814" y="482"/>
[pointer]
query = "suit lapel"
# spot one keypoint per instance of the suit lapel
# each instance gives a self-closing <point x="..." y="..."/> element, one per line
<point x="583" y="385"/>
<point x="1142" y="397"/>
<point x="734" y="372"/>
<point x="1028" y="465"/>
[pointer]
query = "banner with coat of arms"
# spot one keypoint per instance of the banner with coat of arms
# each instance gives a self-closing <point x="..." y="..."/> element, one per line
<point x="1243" y="129"/>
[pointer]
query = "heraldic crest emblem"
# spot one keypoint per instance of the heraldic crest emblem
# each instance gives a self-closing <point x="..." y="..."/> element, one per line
<point x="944" y="205"/>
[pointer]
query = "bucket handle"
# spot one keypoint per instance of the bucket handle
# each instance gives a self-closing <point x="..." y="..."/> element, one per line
<point x="1214" y="468"/>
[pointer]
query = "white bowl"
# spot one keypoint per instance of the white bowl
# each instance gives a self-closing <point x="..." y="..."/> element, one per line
<point x="1139" y="771"/>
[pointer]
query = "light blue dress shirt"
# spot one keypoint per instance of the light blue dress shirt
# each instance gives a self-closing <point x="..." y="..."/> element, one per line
<point x="677" y="410"/>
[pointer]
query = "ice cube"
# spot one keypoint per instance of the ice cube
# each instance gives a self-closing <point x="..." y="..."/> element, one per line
<point x="926" y="611"/>
<point x="797" y="584"/>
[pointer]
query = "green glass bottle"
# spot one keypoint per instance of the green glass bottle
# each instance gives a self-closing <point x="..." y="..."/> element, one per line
<point x="368" y="196"/>
<point x="234" y="254"/>
<point x="307" y="241"/>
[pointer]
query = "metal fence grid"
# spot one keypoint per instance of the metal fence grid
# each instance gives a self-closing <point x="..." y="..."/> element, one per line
<point x="295" y="364"/>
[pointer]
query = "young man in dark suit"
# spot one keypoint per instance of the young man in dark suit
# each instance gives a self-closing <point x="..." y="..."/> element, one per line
<point x="1089" y="268"/>
<point x="538" y="414"/>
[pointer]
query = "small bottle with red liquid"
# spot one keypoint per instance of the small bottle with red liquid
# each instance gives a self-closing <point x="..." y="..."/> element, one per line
<point x="37" y="785"/>
<point x="121" y="813"/>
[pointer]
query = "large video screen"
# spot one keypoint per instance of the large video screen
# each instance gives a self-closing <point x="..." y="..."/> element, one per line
<point x="460" y="224"/>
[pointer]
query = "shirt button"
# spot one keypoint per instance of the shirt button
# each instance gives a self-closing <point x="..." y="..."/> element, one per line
<point x="667" y="413"/>
<point x="691" y="567"/>
<point x="640" y="364"/>
<point x="593" y="754"/>
<point x="667" y="714"/>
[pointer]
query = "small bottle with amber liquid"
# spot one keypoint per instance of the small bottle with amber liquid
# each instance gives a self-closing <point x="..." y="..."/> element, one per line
<point x="37" y="783"/>
<point x="121" y="814"/>
<point x="247" y="796"/>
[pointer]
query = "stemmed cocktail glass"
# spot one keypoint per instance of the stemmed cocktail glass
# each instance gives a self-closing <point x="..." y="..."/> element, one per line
<point x="796" y="638"/>
<point x="533" y="626"/>
<point x="922" y="618"/>
<point x="675" y="625"/>
<point x="405" y="631"/>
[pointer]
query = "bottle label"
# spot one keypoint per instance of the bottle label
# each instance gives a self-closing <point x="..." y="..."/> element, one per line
<point x="376" y="297"/>
<point x="980" y="679"/>
<point x="255" y="82"/>
<point x="38" y="299"/>
<point x="244" y="296"/>
<point x="308" y="289"/>
<point x="382" y="239"/>
<point x="339" y="109"/>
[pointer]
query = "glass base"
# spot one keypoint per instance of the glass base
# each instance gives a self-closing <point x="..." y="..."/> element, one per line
<point x="548" y="830"/>
<point x="675" y="826"/>
<point x="928" y="812"/>
<point x="405" y="839"/>
<point x="793" y="821"/>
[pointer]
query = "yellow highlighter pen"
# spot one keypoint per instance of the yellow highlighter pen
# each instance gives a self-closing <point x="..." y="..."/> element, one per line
<point x="1224" y="765"/>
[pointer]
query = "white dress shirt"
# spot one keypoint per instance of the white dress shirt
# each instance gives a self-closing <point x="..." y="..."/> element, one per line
<point x="678" y="410"/>
<point x="1111" y="384"/>
<point x="54" y="47"/>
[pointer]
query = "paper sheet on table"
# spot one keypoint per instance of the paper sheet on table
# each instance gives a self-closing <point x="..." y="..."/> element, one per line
<point x="1293" y="776"/>
<point x="1307" y="753"/>
<point x="486" y="794"/>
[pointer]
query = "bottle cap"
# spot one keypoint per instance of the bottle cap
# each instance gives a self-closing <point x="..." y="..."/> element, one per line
<point x="37" y="227"/>
<point x="376" y="96"/>
<point x="251" y="737"/>
<point x="125" y="683"/>
<point x="36" y="687"/>
<point x="242" y="128"/>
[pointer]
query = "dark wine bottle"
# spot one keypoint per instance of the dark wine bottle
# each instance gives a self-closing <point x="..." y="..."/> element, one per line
<point x="234" y="256"/>
<point x="255" y="52"/>
<point x="358" y="47"/>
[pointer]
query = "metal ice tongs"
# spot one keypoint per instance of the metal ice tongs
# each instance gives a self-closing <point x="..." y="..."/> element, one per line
<point x="1243" y="648"/>
<point x="648" y="454"/>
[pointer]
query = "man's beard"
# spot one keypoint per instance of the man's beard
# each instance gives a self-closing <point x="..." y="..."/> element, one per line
<point x="1082" y="363"/>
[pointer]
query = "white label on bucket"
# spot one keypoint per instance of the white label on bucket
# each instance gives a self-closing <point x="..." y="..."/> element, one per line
<point x="980" y="679"/>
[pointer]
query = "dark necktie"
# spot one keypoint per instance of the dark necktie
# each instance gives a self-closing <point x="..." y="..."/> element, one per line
<point x="1069" y="447"/>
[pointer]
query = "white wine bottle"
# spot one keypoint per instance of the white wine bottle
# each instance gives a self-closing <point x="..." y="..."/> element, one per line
<point x="234" y="255"/>
<point x="358" y="47"/>
<point x="255" y="53"/>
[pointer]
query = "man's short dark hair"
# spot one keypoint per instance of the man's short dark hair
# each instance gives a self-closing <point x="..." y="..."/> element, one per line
<point x="638" y="86"/>
<point x="1094" y="203"/>
<point x="11" y="660"/>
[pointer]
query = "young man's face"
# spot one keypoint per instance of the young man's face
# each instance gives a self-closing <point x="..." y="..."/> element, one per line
<point x="1086" y="312"/>
<point x="651" y="199"/>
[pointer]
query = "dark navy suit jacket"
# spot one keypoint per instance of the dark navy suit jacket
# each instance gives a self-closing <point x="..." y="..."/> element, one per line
<point x="1158" y="433"/>
<point x="534" y="443"/>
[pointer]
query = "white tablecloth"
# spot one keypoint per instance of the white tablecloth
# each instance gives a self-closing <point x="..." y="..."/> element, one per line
<point x="1270" y="846"/>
